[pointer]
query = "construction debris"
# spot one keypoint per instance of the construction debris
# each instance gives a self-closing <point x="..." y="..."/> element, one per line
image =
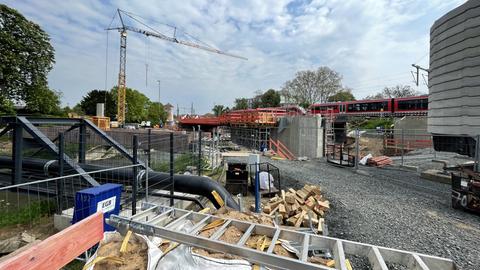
<point x="305" y="207"/>
<point x="380" y="161"/>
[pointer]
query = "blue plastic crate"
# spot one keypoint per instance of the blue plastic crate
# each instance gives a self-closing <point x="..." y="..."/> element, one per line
<point x="105" y="198"/>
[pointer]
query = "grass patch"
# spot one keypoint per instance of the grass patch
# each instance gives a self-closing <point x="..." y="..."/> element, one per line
<point x="180" y="163"/>
<point x="376" y="122"/>
<point x="26" y="214"/>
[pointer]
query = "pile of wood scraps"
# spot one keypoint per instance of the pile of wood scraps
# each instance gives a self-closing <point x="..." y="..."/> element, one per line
<point x="299" y="208"/>
<point x="380" y="161"/>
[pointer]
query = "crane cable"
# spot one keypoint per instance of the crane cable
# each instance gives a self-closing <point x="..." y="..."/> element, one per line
<point x="106" y="60"/>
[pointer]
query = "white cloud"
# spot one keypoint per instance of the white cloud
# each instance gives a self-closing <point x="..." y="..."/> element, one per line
<point x="372" y="43"/>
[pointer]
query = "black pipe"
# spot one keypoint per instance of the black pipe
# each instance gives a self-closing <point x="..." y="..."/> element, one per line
<point x="192" y="184"/>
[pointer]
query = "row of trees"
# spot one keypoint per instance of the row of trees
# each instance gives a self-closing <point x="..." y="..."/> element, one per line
<point x="139" y="107"/>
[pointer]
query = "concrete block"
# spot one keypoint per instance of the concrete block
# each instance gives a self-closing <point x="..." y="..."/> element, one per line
<point x="436" y="176"/>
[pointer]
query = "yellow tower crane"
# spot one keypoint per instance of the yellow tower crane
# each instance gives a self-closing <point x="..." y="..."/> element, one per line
<point x="149" y="33"/>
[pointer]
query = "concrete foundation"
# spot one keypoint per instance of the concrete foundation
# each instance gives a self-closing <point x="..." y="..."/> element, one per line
<point x="302" y="135"/>
<point x="412" y="125"/>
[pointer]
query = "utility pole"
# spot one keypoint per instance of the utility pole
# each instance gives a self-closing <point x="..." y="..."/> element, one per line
<point x="158" y="92"/>
<point x="416" y="78"/>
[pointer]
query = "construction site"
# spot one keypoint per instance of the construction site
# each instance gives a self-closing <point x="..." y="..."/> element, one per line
<point x="374" y="183"/>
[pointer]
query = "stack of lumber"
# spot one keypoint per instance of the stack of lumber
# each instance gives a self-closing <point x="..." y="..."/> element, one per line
<point x="379" y="161"/>
<point x="296" y="207"/>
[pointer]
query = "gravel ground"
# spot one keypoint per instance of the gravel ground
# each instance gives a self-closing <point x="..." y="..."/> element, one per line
<point x="390" y="207"/>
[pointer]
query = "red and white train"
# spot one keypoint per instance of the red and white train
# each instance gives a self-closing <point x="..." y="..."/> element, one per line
<point x="386" y="107"/>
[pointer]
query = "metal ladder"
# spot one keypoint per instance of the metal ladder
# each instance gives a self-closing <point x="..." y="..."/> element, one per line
<point x="162" y="221"/>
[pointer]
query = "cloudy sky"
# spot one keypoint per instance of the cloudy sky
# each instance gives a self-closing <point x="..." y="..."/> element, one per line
<point x="372" y="43"/>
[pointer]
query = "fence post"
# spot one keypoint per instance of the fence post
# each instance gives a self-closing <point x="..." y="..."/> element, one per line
<point x="357" y="147"/>
<point x="17" y="153"/>
<point x="257" y="188"/>
<point x="135" y="174"/>
<point x="217" y="141"/>
<point x="199" y="165"/>
<point x="149" y="146"/>
<point x="172" y="179"/>
<point x="477" y="153"/>
<point x="60" y="188"/>
<point x="82" y="142"/>
<point x="403" y="144"/>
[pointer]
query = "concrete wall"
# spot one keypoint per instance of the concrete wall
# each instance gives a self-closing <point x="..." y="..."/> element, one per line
<point x="454" y="98"/>
<point x="411" y="125"/>
<point x="302" y="135"/>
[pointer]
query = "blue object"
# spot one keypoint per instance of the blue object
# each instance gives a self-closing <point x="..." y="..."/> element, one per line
<point x="257" y="190"/>
<point x="105" y="198"/>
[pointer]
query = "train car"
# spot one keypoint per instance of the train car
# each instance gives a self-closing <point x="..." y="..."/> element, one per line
<point x="384" y="107"/>
<point x="324" y="108"/>
<point x="410" y="105"/>
<point x="368" y="107"/>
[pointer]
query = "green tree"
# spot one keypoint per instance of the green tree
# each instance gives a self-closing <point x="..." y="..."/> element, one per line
<point x="344" y="95"/>
<point x="137" y="105"/>
<point x="271" y="98"/>
<point x="45" y="101"/>
<point x="219" y="110"/>
<point x="26" y="57"/>
<point x="88" y="104"/>
<point x="6" y="106"/>
<point x="156" y="113"/>
<point x="312" y="86"/>
<point x="241" y="104"/>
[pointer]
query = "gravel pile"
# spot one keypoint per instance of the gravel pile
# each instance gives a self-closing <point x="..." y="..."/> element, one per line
<point x="392" y="208"/>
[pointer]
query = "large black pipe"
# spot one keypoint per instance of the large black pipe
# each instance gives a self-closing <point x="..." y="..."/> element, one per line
<point x="191" y="184"/>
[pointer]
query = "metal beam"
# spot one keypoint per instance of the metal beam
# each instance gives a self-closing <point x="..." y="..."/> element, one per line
<point x="40" y="137"/>
<point x="82" y="142"/>
<point x="112" y="142"/>
<point x="17" y="156"/>
<point x="42" y="121"/>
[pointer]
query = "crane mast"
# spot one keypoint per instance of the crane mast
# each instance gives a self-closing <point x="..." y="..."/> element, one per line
<point x="122" y="87"/>
<point x="121" y="94"/>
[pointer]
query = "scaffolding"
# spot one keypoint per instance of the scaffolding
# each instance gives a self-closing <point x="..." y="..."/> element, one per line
<point x="253" y="138"/>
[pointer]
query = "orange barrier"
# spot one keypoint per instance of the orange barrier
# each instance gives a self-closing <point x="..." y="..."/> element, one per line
<point x="61" y="248"/>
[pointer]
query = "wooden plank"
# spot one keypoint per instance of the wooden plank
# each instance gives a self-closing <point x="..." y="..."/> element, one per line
<point x="299" y="200"/>
<point x="300" y="219"/>
<point x="61" y="248"/>
<point x="302" y="194"/>
<point x="321" y="223"/>
<point x="276" y="203"/>
<point x="292" y="220"/>
<point x="283" y="194"/>
<point x="324" y="204"/>
<point x="282" y="210"/>
<point x="290" y="198"/>
<point x="18" y="251"/>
